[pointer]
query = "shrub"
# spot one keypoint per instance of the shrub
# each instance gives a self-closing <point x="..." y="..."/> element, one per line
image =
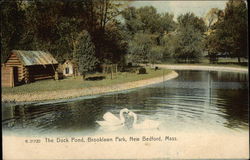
<point x="142" y="70"/>
<point x="130" y="64"/>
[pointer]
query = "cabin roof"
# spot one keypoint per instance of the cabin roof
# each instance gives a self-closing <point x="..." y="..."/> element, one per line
<point x="71" y="62"/>
<point x="68" y="62"/>
<point x="29" y="58"/>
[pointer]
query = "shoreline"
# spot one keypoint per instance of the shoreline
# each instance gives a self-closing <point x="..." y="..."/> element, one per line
<point x="92" y="91"/>
<point x="74" y="93"/>
<point x="202" y="67"/>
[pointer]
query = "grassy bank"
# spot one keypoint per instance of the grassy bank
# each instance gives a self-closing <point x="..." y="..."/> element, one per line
<point x="79" y="83"/>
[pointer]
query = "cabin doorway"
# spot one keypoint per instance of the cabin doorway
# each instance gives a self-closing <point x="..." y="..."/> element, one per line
<point x="67" y="70"/>
<point x="15" y="76"/>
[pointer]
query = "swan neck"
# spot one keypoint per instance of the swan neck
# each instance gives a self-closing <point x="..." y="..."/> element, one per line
<point x="122" y="117"/>
<point x="135" y="118"/>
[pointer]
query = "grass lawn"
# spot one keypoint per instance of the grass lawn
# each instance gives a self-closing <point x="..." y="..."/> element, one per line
<point x="78" y="82"/>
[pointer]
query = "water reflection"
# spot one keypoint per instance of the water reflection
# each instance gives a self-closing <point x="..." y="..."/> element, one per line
<point x="196" y="99"/>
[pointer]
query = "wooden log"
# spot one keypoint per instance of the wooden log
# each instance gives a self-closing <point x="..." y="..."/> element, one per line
<point x="26" y="76"/>
<point x="44" y="77"/>
<point x="6" y="76"/>
<point x="12" y="84"/>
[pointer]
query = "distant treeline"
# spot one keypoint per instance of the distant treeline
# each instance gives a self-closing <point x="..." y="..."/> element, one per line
<point x="109" y="31"/>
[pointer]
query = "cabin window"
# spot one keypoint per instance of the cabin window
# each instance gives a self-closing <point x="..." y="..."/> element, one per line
<point x="67" y="70"/>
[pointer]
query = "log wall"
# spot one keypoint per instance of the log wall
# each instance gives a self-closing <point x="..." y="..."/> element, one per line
<point x="13" y="61"/>
<point x="7" y="78"/>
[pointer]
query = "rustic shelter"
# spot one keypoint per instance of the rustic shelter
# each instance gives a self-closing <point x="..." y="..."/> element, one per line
<point x="68" y="68"/>
<point x="27" y="66"/>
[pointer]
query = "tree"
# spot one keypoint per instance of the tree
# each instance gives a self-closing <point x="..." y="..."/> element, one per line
<point x="11" y="26"/>
<point x="189" y="45"/>
<point x="189" y="38"/>
<point x="150" y="19"/>
<point x="67" y="29"/>
<point x="85" y="53"/>
<point x="115" y="44"/>
<point x="147" y="20"/>
<point x="167" y="23"/>
<point x="213" y="41"/>
<point x="189" y="19"/>
<point x="212" y="17"/>
<point x="132" y="22"/>
<point x="146" y="28"/>
<point x="36" y="26"/>
<point x="139" y="48"/>
<point x="232" y="29"/>
<point x="169" y="42"/>
<point x="103" y="13"/>
<point x="156" y="54"/>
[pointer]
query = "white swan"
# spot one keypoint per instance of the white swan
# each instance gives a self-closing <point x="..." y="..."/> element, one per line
<point x="147" y="124"/>
<point x="111" y="121"/>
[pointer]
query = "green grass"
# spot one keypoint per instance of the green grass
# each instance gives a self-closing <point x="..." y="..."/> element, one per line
<point x="78" y="82"/>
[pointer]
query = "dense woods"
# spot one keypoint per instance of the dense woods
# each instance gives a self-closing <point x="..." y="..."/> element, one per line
<point x="109" y="31"/>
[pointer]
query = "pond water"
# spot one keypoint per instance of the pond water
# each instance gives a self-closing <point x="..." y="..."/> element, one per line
<point x="195" y="100"/>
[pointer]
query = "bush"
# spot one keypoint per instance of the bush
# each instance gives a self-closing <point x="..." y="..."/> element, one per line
<point x="130" y="64"/>
<point x="58" y="75"/>
<point x="142" y="70"/>
<point x="133" y="69"/>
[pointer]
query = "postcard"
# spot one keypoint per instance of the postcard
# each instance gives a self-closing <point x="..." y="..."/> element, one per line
<point x="108" y="79"/>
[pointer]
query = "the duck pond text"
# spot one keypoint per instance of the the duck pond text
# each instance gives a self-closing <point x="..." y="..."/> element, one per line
<point x="101" y="139"/>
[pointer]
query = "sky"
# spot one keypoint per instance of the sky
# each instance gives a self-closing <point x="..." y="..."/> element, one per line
<point x="177" y="7"/>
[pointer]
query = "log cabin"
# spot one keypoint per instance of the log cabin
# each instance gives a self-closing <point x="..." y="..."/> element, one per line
<point x="27" y="66"/>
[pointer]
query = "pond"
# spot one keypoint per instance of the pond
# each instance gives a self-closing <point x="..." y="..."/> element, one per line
<point x="195" y="100"/>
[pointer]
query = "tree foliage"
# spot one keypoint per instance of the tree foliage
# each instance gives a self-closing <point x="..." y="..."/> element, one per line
<point x="212" y="17"/>
<point x="169" y="42"/>
<point x="146" y="29"/>
<point x="189" y="38"/>
<point x="229" y="33"/>
<point x="142" y="33"/>
<point x="54" y="25"/>
<point x="85" y="53"/>
<point x="140" y="47"/>
<point x="156" y="54"/>
<point x="167" y="23"/>
<point x="11" y="27"/>
<point x="147" y="20"/>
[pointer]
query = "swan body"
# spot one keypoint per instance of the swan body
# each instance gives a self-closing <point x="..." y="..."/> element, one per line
<point x="147" y="124"/>
<point x="111" y="121"/>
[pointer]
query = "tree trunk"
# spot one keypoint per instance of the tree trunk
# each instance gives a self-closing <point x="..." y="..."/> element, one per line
<point x="239" y="60"/>
<point x="111" y="72"/>
<point x="83" y="76"/>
